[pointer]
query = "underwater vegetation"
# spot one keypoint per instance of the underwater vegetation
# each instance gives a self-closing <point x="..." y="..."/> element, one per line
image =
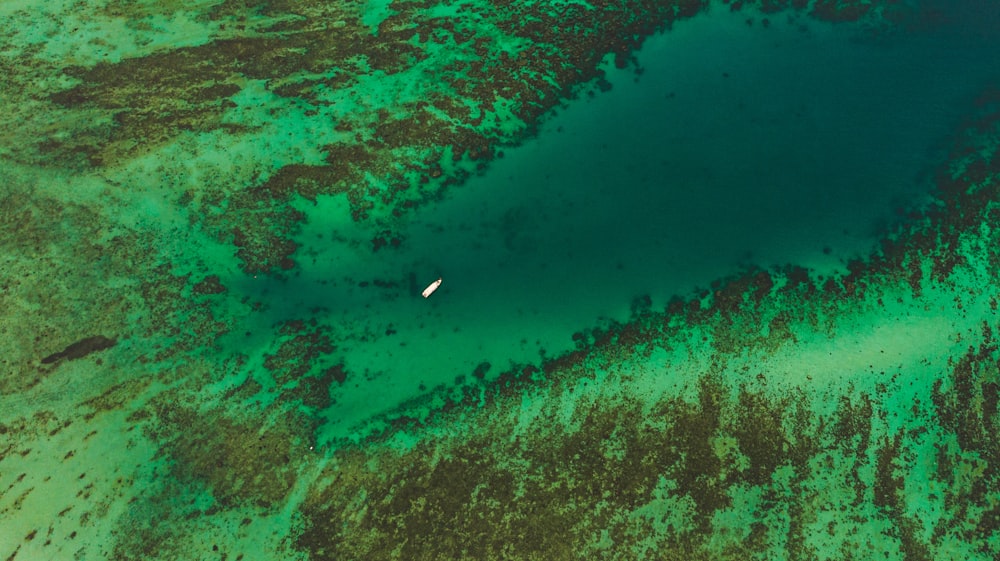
<point x="160" y="160"/>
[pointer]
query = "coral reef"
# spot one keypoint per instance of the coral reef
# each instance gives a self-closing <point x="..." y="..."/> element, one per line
<point x="157" y="401"/>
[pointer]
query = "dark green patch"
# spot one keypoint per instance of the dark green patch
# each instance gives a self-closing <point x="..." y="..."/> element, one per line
<point x="240" y="462"/>
<point x="81" y="348"/>
<point x="758" y="430"/>
<point x="300" y="351"/>
<point x="209" y="285"/>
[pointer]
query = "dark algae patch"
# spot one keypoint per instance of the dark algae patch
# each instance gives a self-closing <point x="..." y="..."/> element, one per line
<point x="80" y="349"/>
<point x="179" y="349"/>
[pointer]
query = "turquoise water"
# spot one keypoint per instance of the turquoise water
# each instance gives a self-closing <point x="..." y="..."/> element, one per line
<point x="730" y="295"/>
<point x="737" y="145"/>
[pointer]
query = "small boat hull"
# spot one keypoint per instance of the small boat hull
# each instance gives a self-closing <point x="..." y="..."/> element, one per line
<point x="431" y="288"/>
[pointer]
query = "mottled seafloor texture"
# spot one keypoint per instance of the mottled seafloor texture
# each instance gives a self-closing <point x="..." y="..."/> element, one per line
<point x="216" y="218"/>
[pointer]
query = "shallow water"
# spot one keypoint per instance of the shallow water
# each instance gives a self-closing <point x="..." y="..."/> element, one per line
<point x="736" y="299"/>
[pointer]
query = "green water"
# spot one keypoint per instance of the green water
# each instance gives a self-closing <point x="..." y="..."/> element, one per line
<point x="732" y="300"/>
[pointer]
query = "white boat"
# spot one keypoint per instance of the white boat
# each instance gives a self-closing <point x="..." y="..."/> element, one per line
<point x="431" y="288"/>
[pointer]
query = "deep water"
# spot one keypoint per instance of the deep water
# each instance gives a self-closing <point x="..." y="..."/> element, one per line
<point x="727" y="144"/>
